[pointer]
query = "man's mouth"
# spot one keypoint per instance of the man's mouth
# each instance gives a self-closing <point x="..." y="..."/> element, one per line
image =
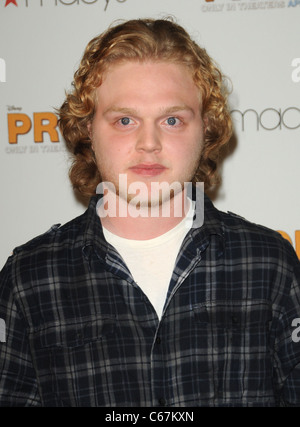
<point x="146" y="169"/>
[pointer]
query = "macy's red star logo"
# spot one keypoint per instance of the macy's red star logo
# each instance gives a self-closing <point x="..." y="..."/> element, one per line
<point x="11" y="1"/>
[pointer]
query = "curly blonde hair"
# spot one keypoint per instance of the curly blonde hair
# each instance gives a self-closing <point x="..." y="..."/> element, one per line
<point x="140" y="40"/>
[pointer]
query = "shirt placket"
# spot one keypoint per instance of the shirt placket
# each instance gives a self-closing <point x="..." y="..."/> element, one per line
<point x="160" y="354"/>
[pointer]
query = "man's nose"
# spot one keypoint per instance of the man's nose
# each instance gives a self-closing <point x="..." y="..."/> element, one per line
<point x="149" y="139"/>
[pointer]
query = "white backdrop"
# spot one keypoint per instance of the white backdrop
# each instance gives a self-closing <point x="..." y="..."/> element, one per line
<point x="257" y="46"/>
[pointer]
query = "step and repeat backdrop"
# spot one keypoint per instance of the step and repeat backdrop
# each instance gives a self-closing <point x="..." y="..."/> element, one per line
<point x="256" y="44"/>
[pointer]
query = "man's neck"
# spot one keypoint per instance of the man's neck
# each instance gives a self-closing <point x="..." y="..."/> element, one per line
<point x="147" y="225"/>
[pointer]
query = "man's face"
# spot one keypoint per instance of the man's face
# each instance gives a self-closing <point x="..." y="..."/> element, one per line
<point x="147" y="125"/>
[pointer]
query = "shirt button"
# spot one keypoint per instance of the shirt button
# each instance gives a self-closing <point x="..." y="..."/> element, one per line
<point x="162" y="401"/>
<point x="158" y="340"/>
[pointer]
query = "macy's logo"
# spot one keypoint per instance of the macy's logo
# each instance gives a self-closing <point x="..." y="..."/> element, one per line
<point x="65" y="2"/>
<point x="268" y="119"/>
<point x="10" y="2"/>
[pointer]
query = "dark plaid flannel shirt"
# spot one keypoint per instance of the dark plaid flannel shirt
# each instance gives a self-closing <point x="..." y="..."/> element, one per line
<point x="80" y="332"/>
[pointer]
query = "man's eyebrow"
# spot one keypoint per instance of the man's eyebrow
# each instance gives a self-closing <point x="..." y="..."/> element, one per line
<point x="176" y="109"/>
<point x="122" y="110"/>
<point x="163" y="111"/>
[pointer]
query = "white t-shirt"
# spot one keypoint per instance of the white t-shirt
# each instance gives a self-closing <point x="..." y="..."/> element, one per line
<point x="151" y="262"/>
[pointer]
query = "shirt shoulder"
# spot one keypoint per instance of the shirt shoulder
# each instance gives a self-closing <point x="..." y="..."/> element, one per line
<point x="56" y="235"/>
<point x="239" y="230"/>
<point x="235" y="222"/>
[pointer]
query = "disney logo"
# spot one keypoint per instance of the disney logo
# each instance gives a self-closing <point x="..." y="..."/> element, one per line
<point x="13" y="108"/>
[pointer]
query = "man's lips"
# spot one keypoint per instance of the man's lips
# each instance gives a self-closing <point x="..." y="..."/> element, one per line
<point x="148" y="169"/>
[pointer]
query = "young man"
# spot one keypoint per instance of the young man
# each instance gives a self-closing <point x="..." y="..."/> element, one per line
<point x="133" y="304"/>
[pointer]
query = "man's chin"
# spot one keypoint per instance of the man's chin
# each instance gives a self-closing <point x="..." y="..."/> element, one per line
<point x="145" y="202"/>
<point x="154" y="205"/>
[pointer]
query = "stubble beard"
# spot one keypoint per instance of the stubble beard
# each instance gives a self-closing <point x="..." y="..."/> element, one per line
<point x="164" y="193"/>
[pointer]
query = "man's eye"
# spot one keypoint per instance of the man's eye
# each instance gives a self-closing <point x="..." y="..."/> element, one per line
<point x="125" y="121"/>
<point x="173" y="121"/>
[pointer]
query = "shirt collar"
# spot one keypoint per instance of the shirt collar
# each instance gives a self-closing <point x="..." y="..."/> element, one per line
<point x="93" y="233"/>
<point x="213" y="227"/>
<point x="93" y="236"/>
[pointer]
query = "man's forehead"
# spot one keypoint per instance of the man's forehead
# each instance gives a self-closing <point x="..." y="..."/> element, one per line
<point x="109" y="69"/>
<point x="115" y="76"/>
